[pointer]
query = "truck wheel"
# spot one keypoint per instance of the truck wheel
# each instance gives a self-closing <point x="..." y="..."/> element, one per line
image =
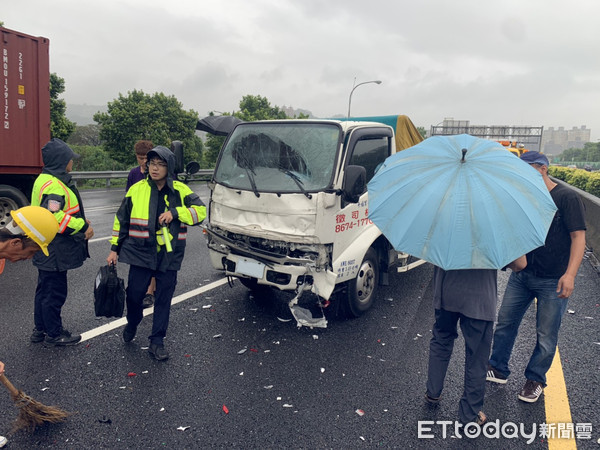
<point x="10" y="198"/>
<point x="361" y="291"/>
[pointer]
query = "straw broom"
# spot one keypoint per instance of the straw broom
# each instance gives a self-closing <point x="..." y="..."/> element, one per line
<point x="31" y="412"/>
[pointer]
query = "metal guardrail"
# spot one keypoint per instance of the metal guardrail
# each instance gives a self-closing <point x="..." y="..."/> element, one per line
<point x="202" y="174"/>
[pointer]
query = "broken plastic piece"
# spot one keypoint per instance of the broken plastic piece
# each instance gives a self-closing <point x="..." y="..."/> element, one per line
<point x="283" y="320"/>
<point x="225" y="409"/>
<point x="304" y="317"/>
<point x="132" y="374"/>
<point x="360" y="412"/>
<point x="242" y="351"/>
<point x="287" y="405"/>
<point x="206" y="306"/>
<point x="570" y="311"/>
<point x="182" y="428"/>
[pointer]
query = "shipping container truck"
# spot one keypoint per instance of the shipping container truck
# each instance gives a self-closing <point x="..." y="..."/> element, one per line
<point x="289" y="210"/>
<point x="25" y="125"/>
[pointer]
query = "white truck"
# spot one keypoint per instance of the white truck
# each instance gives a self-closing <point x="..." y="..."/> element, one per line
<point x="289" y="209"/>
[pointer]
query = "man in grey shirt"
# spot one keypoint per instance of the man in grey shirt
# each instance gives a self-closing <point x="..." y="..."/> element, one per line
<point x="468" y="296"/>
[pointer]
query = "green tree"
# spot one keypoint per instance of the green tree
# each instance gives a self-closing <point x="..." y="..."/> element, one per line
<point x="422" y="131"/>
<point x="60" y="126"/>
<point x="85" y="135"/>
<point x="255" y="107"/>
<point x="158" y="117"/>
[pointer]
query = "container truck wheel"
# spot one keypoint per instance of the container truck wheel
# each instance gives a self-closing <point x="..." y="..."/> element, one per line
<point x="361" y="291"/>
<point x="10" y="198"/>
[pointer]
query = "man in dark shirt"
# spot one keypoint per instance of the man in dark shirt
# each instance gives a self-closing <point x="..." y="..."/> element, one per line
<point x="467" y="296"/>
<point x="549" y="277"/>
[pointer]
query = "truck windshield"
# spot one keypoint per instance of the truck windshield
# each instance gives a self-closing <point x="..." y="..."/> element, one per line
<point x="279" y="157"/>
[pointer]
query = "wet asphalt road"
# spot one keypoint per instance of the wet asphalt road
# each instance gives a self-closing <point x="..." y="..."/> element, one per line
<point x="289" y="388"/>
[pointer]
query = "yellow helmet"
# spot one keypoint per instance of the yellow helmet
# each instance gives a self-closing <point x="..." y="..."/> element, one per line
<point x="37" y="223"/>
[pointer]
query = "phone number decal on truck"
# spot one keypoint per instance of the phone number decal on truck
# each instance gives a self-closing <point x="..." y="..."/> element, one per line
<point x="345" y="222"/>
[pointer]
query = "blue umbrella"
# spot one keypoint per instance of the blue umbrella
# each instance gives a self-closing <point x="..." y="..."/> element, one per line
<point x="460" y="202"/>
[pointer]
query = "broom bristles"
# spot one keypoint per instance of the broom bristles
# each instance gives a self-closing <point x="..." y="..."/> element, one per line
<point x="33" y="413"/>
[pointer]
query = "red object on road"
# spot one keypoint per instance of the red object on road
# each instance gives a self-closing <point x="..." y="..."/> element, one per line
<point x="225" y="409"/>
<point x="132" y="374"/>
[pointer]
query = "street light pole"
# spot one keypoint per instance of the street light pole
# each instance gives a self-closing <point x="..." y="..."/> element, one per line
<point x="359" y="84"/>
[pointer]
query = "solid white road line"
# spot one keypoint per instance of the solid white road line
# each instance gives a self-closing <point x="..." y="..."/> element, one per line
<point x="123" y="320"/>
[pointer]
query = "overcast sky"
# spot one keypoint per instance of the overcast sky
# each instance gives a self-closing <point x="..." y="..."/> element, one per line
<point x="509" y="62"/>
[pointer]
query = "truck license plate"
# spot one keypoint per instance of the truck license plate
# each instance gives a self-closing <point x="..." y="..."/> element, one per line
<point x="250" y="268"/>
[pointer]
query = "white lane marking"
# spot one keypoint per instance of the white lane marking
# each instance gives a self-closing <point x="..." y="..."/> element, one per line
<point x="123" y="320"/>
<point x="105" y="239"/>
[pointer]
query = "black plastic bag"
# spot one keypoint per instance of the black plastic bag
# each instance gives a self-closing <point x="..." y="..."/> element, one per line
<point x="109" y="293"/>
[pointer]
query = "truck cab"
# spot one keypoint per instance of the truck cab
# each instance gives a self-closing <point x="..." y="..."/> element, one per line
<point x="289" y="208"/>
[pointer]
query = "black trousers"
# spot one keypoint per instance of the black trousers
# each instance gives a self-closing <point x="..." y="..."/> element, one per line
<point x="137" y="285"/>
<point x="478" y="340"/>
<point x="50" y="296"/>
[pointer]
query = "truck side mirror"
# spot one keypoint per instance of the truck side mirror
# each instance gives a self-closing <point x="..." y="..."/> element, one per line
<point x="354" y="184"/>
<point x="192" y="167"/>
<point x="177" y="149"/>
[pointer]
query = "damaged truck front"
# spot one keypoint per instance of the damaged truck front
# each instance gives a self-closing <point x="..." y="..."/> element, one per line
<point x="289" y="209"/>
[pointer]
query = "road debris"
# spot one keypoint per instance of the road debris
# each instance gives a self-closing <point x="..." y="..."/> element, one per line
<point x="182" y="428"/>
<point x="225" y="409"/>
<point x="360" y="412"/>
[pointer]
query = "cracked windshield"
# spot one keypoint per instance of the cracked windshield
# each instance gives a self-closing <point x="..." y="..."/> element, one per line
<point x="279" y="158"/>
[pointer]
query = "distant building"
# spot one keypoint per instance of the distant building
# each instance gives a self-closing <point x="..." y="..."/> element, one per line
<point x="556" y="141"/>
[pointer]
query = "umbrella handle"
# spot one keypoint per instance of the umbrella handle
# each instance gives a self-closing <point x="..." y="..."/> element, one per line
<point x="13" y="390"/>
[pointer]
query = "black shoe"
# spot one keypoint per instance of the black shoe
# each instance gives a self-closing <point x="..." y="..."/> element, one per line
<point x="63" y="339"/>
<point x="148" y="301"/>
<point x="128" y="333"/>
<point x="37" y="336"/>
<point x="158" y="351"/>
<point x="531" y="391"/>
<point x="431" y="400"/>
<point x="494" y="376"/>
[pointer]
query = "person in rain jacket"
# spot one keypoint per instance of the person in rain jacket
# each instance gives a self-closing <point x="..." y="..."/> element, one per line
<point x="54" y="190"/>
<point x="154" y="210"/>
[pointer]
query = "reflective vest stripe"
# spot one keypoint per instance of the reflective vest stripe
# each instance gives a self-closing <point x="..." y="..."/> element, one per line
<point x="139" y="234"/>
<point x="62" y="226"/>
<point x="137" y="221"/>
<point x="194" y="214"/>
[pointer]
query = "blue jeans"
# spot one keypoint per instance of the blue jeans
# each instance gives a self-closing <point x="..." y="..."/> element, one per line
<point x="522" y="288"/>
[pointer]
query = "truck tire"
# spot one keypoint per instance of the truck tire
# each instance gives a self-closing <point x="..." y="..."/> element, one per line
<point x="360" y="293"/>
<point x="10" y="198"/>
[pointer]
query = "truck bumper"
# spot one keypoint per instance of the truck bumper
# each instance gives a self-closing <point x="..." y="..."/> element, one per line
<point x="283" y="277"/>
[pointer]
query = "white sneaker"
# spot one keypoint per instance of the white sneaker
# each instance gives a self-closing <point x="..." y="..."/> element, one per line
<point x="3" y="441"/>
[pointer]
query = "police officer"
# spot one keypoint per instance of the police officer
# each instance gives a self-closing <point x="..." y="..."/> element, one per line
<point x="149" y="234"/>
<point x="55" y="191"/>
